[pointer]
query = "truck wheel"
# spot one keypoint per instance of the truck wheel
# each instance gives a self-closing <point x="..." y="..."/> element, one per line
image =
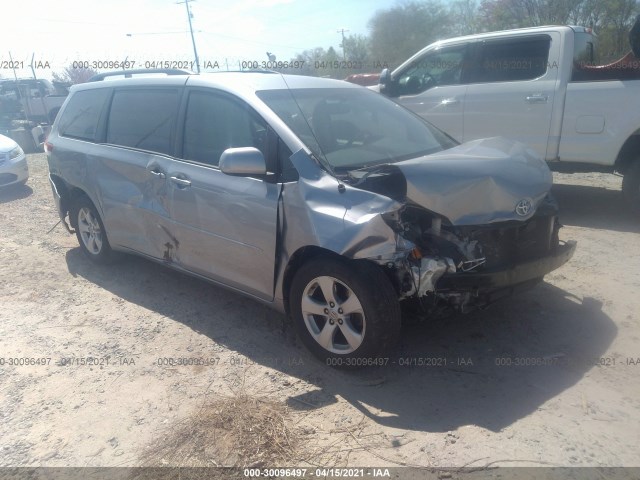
<point x="90" y="231"/>
<point x="53" y="114"/>
<point x="346" y="313"/>
<point x="631" y="186"/>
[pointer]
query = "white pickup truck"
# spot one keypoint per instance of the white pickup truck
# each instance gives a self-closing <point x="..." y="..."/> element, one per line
<point x="536" y="85"/>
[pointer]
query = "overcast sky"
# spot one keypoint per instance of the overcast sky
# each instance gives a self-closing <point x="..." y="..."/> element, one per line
<point x="64" y="31"/>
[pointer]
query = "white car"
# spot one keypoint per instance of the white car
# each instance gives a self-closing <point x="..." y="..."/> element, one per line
<point x="13" y="163"/>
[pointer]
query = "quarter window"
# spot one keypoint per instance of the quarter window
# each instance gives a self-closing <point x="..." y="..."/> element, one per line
<point x="82" y="113"/>
<point x="214" y="123"/>
<point x="143" y="119"/>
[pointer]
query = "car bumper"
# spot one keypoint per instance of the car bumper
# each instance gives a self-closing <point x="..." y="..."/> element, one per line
<point x="13" y="172"/>
<point x="487" y="282"/>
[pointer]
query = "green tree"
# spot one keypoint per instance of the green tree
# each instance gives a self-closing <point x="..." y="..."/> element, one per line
<point x="356" y="48"/>
<point x="319" y="62"/>
<point x="401" y="31"/>
<point x="610" y="19"/>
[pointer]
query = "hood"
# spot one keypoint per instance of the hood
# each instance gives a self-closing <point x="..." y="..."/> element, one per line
<point x="7" y="144"/>
<point x="479" y="182"/>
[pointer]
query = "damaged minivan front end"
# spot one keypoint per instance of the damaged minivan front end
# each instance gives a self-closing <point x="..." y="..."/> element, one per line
<point x="454" y="227"/>
<point x="455" y="230"/>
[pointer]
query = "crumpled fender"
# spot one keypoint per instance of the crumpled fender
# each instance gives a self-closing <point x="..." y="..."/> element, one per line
<point x="320" y="210"/>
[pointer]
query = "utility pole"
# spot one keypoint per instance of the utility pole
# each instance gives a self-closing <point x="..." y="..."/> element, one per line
<point x="193" y="40"/>
<point x="344" y="52"/>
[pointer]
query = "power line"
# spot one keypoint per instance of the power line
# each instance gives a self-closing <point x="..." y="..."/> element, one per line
<point x="344" y="52"/>
<point x="193" y="40"/>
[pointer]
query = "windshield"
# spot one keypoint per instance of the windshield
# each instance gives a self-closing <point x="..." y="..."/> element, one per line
<point x="354" y="128"/>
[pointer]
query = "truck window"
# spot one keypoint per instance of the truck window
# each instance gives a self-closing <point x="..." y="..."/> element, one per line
<point x="512" y="59"/>
<point x="144" y="119"/>
<point x="81" y="115"/>
<point x="435" y="68"/>
<point x="584" y="50"/>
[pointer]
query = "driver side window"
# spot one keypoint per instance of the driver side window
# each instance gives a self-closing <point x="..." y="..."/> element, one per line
<point x="216" y="122"/>
<point x="435" y="68"/>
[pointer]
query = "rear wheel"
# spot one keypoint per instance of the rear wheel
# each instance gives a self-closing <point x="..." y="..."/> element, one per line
<point x="53" y="114"/>
<point x="631" y="186"/>
<point x="90" y="231"/>
<point x="346" y="313"/>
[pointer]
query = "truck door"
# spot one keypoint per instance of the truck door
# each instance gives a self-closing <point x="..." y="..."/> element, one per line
<point x="511" y="90"/>
<point x="433" y="87"/>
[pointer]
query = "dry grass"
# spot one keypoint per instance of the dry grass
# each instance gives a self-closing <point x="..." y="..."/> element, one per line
<point x="236" y="431"/>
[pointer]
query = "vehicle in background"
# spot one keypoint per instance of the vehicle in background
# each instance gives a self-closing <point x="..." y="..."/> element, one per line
<point x="13" y="163"/>
<point x="30" y="99"/>
<point x="541" y="86"/>
<point x="364" y="79"/>
<point x="318" y="197"/>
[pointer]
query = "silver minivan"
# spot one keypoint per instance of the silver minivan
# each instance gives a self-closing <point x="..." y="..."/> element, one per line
<point x="321" y="198"/>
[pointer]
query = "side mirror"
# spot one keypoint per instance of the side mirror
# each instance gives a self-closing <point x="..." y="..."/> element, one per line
<point x="243" y="161"/>
<point x="385" y="80"/>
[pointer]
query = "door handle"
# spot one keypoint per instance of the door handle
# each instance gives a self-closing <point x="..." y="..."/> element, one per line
<point x="158" y="173"/>
<point x="450" y="101"/>
<point x="181" y="182"/>
<point x="537" y="98"/>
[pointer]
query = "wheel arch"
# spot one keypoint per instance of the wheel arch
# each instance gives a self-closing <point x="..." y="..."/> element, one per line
<point x="52" y="114"/>
<point x="629" y="152"/>
<point x="304" y="255"/>
<point x="299" y="258"/>
<point x="68" y="194"/>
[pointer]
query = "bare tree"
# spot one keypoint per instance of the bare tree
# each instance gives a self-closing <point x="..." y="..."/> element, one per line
<point x="74" y="75"/>
<point x="465" y="17"/>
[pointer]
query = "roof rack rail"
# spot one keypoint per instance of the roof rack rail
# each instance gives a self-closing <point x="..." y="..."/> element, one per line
<point x="138" y="71"/>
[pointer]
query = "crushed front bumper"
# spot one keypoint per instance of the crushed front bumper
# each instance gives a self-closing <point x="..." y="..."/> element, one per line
<point x="486" y="282"/>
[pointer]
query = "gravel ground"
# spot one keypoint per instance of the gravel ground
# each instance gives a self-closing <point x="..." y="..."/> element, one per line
<point x="550" y="377"/>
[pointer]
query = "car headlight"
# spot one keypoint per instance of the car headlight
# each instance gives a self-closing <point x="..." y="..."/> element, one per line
<point x="15" y="153"/>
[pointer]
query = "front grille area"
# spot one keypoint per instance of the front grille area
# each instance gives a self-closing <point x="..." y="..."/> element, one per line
<point x="513" y="244"/>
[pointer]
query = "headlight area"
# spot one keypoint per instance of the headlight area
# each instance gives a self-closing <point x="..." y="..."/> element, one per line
<point x="16" y="153"/>
<point x="13" y="167"/>
<point x="462" y="268"/>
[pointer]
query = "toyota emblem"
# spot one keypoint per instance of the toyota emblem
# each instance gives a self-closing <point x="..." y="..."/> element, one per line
<point x="523" y="207"/>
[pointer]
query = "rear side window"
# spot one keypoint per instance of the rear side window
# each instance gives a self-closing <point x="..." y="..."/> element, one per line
<point x="512" y="60"/>
<point x="143" y="119"/>
<point x="215" y="122"/>
<point x="82" y="113"/>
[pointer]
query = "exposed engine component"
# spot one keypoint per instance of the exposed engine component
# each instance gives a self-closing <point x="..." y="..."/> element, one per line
<point x="426" y="275"/>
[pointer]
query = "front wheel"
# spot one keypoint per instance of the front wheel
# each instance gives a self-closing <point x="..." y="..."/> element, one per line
<point x="90" y="231"/>
<point x="346" y="313"/>
<point x="631" y="186"/>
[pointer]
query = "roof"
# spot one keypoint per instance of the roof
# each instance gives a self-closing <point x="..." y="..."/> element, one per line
<point x="248" y="81"/>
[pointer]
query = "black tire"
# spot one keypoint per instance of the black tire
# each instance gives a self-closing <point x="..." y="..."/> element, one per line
<point x="631" y="186"/>
<point x="90" y="231"/>
<point x="374" y="328"/>
<point x="52" y="115"/>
